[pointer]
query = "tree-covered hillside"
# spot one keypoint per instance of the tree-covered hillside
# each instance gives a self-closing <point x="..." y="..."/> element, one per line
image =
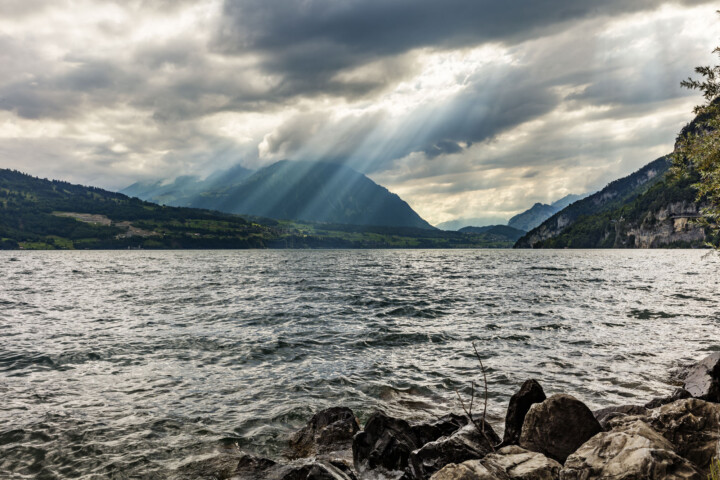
<point x="664" y="216"/>
<point x="616" y="194"/>
<point x="49" y="214"/>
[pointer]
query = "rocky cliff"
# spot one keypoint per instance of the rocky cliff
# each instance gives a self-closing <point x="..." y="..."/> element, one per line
<point x="613" y="196"/>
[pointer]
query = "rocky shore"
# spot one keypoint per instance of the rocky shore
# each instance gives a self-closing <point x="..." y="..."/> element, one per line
<point x="545" y="438"/>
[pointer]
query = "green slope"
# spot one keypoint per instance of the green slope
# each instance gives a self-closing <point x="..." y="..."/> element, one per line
<point x="49" y="214"/>
<point x="502" y="233"/>
<point x="663" y="216"/>
<point x="615" y="195"/>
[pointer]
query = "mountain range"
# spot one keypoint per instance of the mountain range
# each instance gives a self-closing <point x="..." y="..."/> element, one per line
<point x="646" y="209"/>
<point x="291" y="190"/>
<point x="540" y="212"/>
<point x="38" y="213"/>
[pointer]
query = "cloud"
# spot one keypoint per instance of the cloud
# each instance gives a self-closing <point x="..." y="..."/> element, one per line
<point x="465" y="107"/>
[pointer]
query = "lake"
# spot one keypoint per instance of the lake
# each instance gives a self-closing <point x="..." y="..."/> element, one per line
<point x="130" y="363"/>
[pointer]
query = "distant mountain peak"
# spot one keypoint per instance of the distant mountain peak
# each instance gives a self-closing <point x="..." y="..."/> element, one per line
<point x="540" y="212"/>
<point x="305" y="191"/>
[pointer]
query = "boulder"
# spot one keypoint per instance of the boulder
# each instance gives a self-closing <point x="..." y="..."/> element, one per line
<point x="604" y="415"/>
<point x="678" y="394"/>
<point x="631" y="452"/>
<point x="385" y="443"/>
<point x="329" y="430"/>
<point x="703" y="380"/>
<point x="558" y="426"/>
<point x="250" y="466"/>
<point x="521" y="464"/>
<point x="465" y="444"/>
<point x="470" y="470"/>
<point x="218" y="467"/>
<point x="508" y="463"/>
<point x="529" y="394"/>
<point x="692" y="426"/>
<point x="305" y="471"/>
<point x="442" y="427"/>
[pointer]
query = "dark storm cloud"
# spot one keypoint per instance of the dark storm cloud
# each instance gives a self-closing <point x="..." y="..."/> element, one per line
<point x="160" y="87"/>
<point x="316" y="38"/>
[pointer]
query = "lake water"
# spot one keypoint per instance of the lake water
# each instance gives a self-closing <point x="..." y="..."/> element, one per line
<point x="130" y="363"/>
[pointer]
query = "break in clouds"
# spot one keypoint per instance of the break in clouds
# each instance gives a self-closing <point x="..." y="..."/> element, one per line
<point x="466" y="108"/>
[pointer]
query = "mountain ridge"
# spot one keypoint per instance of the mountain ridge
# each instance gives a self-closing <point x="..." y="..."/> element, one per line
<point x="308" y="191"/>
<point x="614" y="195"/>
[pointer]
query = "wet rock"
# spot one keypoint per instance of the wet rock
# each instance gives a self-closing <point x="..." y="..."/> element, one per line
<point x="218" y="467"/>
<point x="385" y="443"/>
<point x="250" y="466"/>
<point x="631" y="452"/>
<point x="604" y="415"/>
<point x="305" y="471"/>
<point x="465" y="444"/>
<point x="470" y="470"/>
<point x="530" y="393"/>
<point x="508" y="463"/>
<point x="521" y="464"/>
<point x="692" y="426"/>
<point x="329" y="430"/>
<point x="703" y="380"/>
<point x="558" y="426"/>
<point x="678" y="394"/>
<point x="443" y="427"/>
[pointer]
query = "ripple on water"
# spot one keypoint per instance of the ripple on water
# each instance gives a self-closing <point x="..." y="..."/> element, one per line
<point x="129" y="363"/>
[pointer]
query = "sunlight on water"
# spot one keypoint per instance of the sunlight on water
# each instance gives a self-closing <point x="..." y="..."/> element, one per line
<point x="134" y="362"/>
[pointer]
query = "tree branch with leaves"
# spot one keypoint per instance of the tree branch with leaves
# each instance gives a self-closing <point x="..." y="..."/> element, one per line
<point x="697" y="149"/>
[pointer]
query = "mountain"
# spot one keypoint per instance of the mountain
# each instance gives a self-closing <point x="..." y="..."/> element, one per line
<point x="313" y="191"/>
<point x="459" y="223"/>
<point x="540" y="212"/>
<point x="614" y="195"/>
<point x="495" y="232"/>
<point x="567" y="200"/>
<point x="532" y="217"/>
<point x="49" y="214"/>
<point x="184" y="189"/>
<point x="39" y="213"/>
<point x="662" y="216"/>
<point x="291" y="190"/>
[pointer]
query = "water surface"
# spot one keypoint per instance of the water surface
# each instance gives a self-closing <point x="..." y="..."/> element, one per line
<point x="128" y="364"/>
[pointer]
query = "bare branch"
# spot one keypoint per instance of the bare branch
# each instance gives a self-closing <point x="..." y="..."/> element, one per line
<point x="482" y="367"/>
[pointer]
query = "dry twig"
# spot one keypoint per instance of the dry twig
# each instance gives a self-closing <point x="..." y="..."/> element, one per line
<point x="467" y="411"/>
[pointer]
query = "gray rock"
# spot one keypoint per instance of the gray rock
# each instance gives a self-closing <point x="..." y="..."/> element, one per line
<point x="508" y="463"/>
<point x="443" y="427"/>
<point x="692" y="426"/>
<point x="385" y="443"/>
<point x="465" y="444"/>
<point x="329" y="430"/>
<point x="250" y="466"/>
<point x="703" y="380"/>
<point x="604" y="415"/>
<point x="558" y="426"/>
<point x="521" y="464"/>
<point x="304" y="471"/>
<point x="217" y="467"/>
<point x="529" y="394"/>
<point x="678" y="394"/>
<point x="631" y="452"/>
<point x="470" y="470"/>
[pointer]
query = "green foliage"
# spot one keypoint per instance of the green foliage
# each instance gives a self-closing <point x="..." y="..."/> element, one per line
<point x="610" y="229"/>
<point x="697" y="151"/>
<point x="30" y="207"/>
<point x="714" y="469"/>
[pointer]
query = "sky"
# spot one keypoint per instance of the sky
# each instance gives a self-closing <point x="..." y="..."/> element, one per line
<point x="465" y="108"/>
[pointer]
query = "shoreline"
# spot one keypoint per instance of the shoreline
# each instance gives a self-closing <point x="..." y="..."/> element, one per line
<point x="545" y="438"/>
